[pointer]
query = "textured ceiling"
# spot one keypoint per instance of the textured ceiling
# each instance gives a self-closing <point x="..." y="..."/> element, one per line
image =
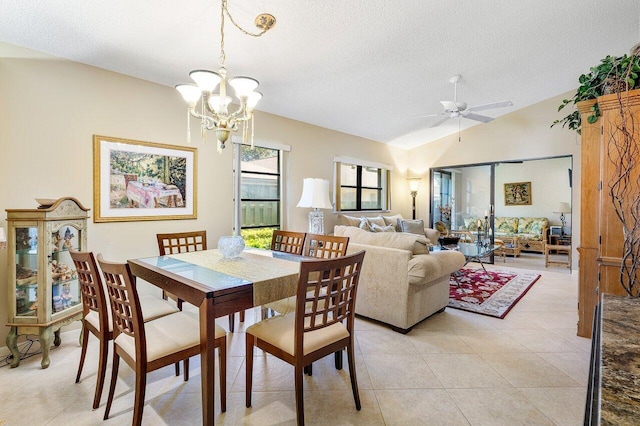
<point x="363" y="67"/>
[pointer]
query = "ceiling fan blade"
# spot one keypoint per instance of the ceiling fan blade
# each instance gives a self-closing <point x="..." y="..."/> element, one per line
<point x="439" y="122"/>
<point x="478" y="117"/>
<point x="426" y="115"/>
<point x="490" y="106"/>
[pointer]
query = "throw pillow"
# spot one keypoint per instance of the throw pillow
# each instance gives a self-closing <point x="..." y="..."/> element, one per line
<point x="378" y="220"/>
<point x="417" y="244"/>
<point x="364" y="224"/>
<point x="392" y="220"/>
<point x="378" y="228"/>
<point x="411" y="226"/>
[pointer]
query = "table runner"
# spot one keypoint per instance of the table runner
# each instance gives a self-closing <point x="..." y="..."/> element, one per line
<point x="273" y="279"/>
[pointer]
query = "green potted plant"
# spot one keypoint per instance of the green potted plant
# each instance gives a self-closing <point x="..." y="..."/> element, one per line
<point x="613" y="74"/>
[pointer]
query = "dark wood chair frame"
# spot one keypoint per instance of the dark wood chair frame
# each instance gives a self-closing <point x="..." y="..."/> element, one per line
<point x="94" y="299"/>
<point x="183" y="242"/>
<point x="326" y="297"/>
<point x="127" y="318"/>
<point x="288" y="241"/>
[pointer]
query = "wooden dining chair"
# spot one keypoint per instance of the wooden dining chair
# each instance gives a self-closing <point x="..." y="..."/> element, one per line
<point x="184" y="242"/>
<point x="315" y="245"/>
<point x="323" y="323"/>
<point x="325" y="246"/>
<point x="146" y="347"/>
<point x="96" y="315"/>
<point x="287" y="241"/>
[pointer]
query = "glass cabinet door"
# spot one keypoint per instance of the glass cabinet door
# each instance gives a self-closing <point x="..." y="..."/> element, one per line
<point x="65" y="288"/>
<point x="26" y="271"/>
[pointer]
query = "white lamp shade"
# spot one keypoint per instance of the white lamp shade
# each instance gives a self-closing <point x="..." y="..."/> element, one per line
<point x="219" y="104"/>
<point x="190" y="94"/>
<point x="252" y="101"/>
<point x="315" y="194"/>
<point x="413" y="184"/>
<point x="563" y="208"/>
<point x="206" y="80"/>
<point x="243" y="86"/>
<point x="3" y="237"/>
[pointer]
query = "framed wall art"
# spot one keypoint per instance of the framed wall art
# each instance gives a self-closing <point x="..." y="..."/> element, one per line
<point x="134" y="180"/>
<point x="517" y="194"/>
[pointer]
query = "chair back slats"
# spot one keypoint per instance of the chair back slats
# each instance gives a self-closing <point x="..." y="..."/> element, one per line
<point x="287" y="241"/>
<point x="91" y="287"/>
<point x="325" y="246"/>
<point x="326" y="293"/>
<point x="182" y="242"/>
<point x="125" y="305"/>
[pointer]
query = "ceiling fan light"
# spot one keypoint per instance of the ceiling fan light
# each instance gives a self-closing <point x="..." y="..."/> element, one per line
<point x="243" y="86"/>
<point x="190" y="94"/>
<point x="207" y="81"/>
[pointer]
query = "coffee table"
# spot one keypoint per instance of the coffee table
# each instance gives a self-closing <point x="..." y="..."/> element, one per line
<point x="472" y="253"/>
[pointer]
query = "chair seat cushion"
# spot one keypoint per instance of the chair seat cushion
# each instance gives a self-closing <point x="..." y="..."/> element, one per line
<point x="155" y="307"/>
<point x="279" y="331"/>
<point x="152" y="307"/>
<point x="168" y="334"/>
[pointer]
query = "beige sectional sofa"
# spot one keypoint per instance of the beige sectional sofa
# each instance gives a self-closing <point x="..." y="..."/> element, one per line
<point x="401" y="283"/>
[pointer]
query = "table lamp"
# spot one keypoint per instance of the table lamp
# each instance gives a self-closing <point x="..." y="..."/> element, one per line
<point x="562" y="209"/>
<point x="315" y="195"/>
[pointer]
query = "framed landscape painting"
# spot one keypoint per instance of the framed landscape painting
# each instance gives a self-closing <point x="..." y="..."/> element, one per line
<point x="134" y="180"/>
<point x="517" y="194"/>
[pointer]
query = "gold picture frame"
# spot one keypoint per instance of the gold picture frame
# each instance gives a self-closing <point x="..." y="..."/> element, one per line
<point x="135" y="180"/>
<point x="517" y="194"/>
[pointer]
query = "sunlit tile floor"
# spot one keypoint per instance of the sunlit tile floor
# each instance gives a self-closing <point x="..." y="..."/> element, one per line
<point x="456" y="368"/>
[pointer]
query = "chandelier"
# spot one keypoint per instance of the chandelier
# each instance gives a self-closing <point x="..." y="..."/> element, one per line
<point x="213" y="112"/>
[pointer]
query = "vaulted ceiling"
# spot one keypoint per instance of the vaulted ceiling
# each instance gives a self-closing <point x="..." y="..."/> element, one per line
<point x="369" y="68"/>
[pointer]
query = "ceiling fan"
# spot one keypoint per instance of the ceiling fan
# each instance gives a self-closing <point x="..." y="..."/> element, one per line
<point x="455" y="109"/>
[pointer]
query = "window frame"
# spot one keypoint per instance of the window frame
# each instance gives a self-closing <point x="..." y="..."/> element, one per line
<point x="282" y="149"/>
<point x="384" y="184"/>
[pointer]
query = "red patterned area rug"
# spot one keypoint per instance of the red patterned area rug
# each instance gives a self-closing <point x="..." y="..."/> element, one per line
<point x="491" y="293"/>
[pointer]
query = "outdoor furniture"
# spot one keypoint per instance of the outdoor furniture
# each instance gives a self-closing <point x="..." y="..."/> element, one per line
<point x="325" y="299"/>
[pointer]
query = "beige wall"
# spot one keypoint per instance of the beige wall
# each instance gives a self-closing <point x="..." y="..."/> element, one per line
<point x="50" y="108"/>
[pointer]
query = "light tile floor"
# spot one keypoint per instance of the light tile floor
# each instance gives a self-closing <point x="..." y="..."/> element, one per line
<point x="456" y="368"/>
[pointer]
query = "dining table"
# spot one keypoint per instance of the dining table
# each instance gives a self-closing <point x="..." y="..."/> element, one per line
<point x="219" y="287"/>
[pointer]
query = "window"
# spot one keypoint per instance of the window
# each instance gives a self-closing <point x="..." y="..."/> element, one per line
<point x="361" y="186"/>
<point x="258" y="193"/>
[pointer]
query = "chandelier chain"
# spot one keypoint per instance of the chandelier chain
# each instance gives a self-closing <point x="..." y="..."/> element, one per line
<point x="225" y="10"/>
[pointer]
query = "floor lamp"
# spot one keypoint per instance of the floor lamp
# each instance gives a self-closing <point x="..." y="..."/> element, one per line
<point x="413" y="187"/>
<point x="315" y="195"/>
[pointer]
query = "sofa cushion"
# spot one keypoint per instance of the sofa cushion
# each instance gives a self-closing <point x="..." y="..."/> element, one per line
<point x="416" y="244"/>
<point x="507" y="225"/>
<point x="386" y="228"/>
<point x="532" y="225"/>
<point x="471" y="223"/>
<point x="411" y="226"/>
<point x="346" y="220"/>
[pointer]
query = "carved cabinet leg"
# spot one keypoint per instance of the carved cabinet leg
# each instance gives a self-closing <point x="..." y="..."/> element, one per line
<point x="12" y="344"/>
<point x="56" y="339"/>
<point x="46" y="336"/>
